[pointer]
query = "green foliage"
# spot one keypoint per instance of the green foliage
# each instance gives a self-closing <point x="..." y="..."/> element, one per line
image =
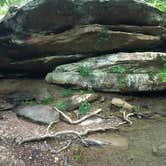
<point x="3" y="10"/>
<point x="136" y="107"/>
<point x="3" y="2"/>
<point x="77" y="157"/>
<point x="66" y="92"/>
<point x="84" y="107"/>
<point x="102" y="38"/>
<point x="90" y="90"/>
<point x="162" y="73"/>
<point x="61" y="105"/>
<point x="121" y="81"/>
<point x="160" y="4"/>
<point x="12" y="2"/>
<point x="85" y="71"/>
<point x="47" y="100"/>
<point x="118" y="69"/>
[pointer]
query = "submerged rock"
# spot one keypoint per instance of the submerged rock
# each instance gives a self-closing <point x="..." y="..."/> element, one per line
<point x="39" y="113"/>
<point x="121" y="72"/>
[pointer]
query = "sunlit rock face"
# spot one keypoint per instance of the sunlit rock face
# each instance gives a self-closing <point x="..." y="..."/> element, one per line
<point x="121" y="72"/>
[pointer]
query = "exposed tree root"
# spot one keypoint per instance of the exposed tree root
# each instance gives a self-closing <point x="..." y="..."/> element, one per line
<point x="74" y="135"/>
<point x="70" y="121"/>
<point x="66" y="132"/>
<point x="79" y="135"/>
<point x="127" y="117"/>
<point x="62" y="149"/>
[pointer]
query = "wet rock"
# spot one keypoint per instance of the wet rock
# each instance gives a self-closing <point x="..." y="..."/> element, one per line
<point x="64" y="14"/>
<point x="39" y="113"/>
<point x="159" y="150"/>
<point x="75" y="101"/>
<point x="121" y="72"/>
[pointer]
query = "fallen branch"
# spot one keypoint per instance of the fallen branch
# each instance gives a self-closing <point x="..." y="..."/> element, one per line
<point x="70" y="121"/>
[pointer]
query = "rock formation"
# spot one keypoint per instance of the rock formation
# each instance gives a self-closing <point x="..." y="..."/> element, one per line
<point x="121" y="72"/>
<point x="44" y="34"/>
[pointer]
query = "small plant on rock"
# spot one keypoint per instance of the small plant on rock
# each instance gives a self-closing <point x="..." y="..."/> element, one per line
<point x="85" y="71"/>
<point x="118" y="69"/>
<point x="102" y="38"/>
<point x="47" y="100"/>
<point x="162" y="73"/>
<point x="66" y="92"/>
<point x="61" y="105"/>
<point x="89" y="90"/>
<point x="84" y="107"/>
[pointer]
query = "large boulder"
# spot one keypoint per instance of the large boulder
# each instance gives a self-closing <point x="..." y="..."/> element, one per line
<point x="121" y="72"/>
<point x="59" y="15"/>
<point x="40" y="52"/>
<point x="46" y="33"/>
